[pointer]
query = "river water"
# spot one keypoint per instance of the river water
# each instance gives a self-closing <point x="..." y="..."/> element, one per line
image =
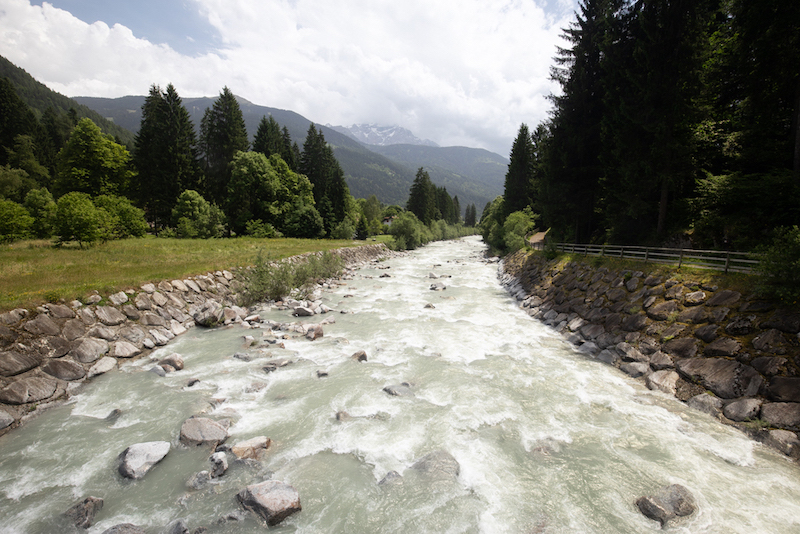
<point x="547" y="439"/>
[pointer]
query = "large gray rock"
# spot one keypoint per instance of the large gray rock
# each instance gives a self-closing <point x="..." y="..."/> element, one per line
<point x="661" y="312"/>
<point x="771" y="341"/>
<point x="219" y="464"/>
<point x="104" y="365"/>
<point x="209" y="314"/>
<point x="785" y="441"/>
<point x="784" y="389"/>
<point x="102" y="332"/>
<point x="252" y="448"/>
<point x="6" y="419"/>
<point x="726" y="378"/>
<point x="781" y="414"/>
<point x="125" y="349"/>
<point x="201" y="430"/>
<point x="138" y="459"/>
<point x="152" y="319"/>
<point x="273" y="501"/>
<point x="174" y="360"/>
<point x="25" y="390"/>
<point x="635" y="369"/>
<point x="42" y="325"/>
<point x="82" y="513"/>
<point x="683" y="347"/>
<point x="742" y="409"/>
<point x="13" y="363"/>
<point x="440" y="464"/>
<point x="634" y="323"/>
<point x="64" y="369"/>
<point x="726" y="297"/>
<point x="667" y="504"/>
<point x="73" y="329"/>
<point x="724" y="346"/>
<point x="90" y="349"/>
<point x="664" y="380"/>
<point x="109" y="316"/>
<point x="706" y="403"/>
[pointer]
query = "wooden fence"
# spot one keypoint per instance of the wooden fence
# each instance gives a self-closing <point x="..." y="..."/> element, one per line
<point x="719" y="260"/>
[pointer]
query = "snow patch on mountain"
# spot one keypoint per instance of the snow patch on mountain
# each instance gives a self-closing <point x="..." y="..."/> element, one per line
<point x="373" y="134"/>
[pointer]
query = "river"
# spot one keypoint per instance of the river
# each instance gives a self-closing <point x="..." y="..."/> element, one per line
<point x="547" y="439"/>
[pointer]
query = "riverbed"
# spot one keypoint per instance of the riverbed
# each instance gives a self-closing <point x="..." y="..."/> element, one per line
<point x="547" y="439"/>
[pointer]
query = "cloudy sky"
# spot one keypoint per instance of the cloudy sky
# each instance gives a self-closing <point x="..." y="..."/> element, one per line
<point x="458" y="72"/>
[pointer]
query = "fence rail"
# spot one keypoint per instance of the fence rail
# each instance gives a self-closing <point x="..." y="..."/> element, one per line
<point x="725" y="261"/>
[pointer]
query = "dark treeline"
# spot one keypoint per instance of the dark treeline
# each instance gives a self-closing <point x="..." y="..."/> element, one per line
<point x="676" y="118"/>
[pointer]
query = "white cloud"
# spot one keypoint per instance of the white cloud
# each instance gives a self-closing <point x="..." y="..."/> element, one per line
<point x="456" y="71"/>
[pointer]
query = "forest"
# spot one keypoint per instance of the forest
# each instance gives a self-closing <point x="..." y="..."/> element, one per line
<point x="677" y="124"/>
<point x="61" y="176"/>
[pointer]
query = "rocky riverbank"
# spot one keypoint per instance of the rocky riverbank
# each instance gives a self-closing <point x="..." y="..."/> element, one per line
<point x="733" y="356"/>
<point x="47" y="353"/>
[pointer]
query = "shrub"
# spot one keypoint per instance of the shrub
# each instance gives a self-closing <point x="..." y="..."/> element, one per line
<point x="196" y="217"/>
<point x="42" y="207"/>
<point x="780" y="266"/>
<point x="77" y="219"/>
<point x="260" y="229"/>
<point x="126" y="220"/>
<point x="270" y="279"/>
<point x="15" y="221"/>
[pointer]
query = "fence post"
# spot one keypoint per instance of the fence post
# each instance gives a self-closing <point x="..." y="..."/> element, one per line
<point x="603" y="250"/>
<point x="646" y="254"/>
<point x="680" y="259"/>
<point x="727" y="261"/>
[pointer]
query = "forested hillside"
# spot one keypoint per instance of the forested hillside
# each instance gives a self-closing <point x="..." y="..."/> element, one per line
<point x="678" y="122"/>
<point x="39" y="97"/>
<point x="472" y="174"/>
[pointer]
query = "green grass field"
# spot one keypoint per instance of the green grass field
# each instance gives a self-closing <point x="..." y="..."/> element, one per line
<point x="34" y="272"/>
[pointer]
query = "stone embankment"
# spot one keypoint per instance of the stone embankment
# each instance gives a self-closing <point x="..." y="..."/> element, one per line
<point x="733" y="356"/>
<point x="47" y="353"/>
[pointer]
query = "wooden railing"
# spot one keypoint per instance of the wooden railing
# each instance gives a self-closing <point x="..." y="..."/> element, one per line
<point x="719" y="260"/>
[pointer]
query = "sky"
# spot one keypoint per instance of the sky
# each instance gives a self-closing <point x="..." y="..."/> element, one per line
<point x="458" y="72"/>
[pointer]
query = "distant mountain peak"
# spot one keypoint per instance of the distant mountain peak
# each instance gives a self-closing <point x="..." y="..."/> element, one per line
<point x="374" y="134"/>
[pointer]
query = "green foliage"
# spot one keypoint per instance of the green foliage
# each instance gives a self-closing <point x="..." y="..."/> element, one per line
<point x="303" y="220"/>
<point x="15" y="222"/>
<point x="343" y="230"/>
<point x="327" y="178"/>
<point x="362" y="229"/>
<point x="125" y="219"/>
<point x="165" y="154"/>
<point x="409" y="232"/>
<point x="516" y="227"/>
<point x="518" y="190"/>
<point x="222" y="135"/>
<point x="780" y="266"/>
<point x="270" y="279"/>
<point x="15" y="183"/>
<point x="42" y="207"/>
<point x="261" y="230"/>
<point x="77" y="219"/>
<point x="196" y="217"/>
<point x="92" y="163"/>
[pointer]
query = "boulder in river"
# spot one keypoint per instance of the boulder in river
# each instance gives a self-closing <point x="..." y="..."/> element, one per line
<point x="31" y="389"/>
<point x="138" y="459"/>
<point x="399" y="390"/>
<point x="219" y="464"/>
<point x="439" y="463"/>
<point x="82" y="514"/>
<point x="200" y="430"/>
<point x="670" y="502"/>
<point x="251" y="448"/>
<point x="271" y="500"/>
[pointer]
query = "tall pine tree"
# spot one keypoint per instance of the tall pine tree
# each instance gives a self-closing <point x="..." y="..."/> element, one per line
<point x="519" y="177"/>
<point x="319" y="164"/>
<point x="165" y="155"/>
<point x="222" y="135"/>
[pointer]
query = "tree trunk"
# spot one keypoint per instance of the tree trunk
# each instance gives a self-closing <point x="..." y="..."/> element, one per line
<point x="662" y="207"/>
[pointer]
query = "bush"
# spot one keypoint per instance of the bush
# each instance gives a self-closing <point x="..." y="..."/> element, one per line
<point x="15" y="221"/>
<point x="77" y="219"/>
<point x="304" y="221"/>
<point x="260" y="229"/>
<point x="270" y="279"/>
<point x="343" y="230"/>
<point x="196" y="217"/>
<point x="126" y="220"/>
<point x="780" y="266"/>
<point x="42" y="207"/>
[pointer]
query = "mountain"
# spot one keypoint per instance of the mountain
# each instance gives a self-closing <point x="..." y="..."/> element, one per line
<point x="39" y="97"/>
<point x="475" y="175"/>
<point x="471" y="172"/>
<point x="372" y="134"/>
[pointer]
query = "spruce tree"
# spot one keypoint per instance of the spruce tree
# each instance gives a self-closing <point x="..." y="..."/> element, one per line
<point x="422" y="197"/>
<point x="165" y="155"/>
<point x="319" y="164"/>
<point x="222" y="135"/>
<point x="269" y="139"/>
<point x="519" y="177"/>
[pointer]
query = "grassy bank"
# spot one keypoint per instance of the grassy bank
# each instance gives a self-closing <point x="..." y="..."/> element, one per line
<point x="34" y="272"/>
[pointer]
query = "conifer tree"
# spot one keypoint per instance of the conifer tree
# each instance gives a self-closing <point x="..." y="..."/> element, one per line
<point x="319" y="164"/>
<point x="222" y="135"/>
<point x="165" y="155"/>
<point x="422" y="197"/>
<point x="519" y="177"/>
<point x="269" y="139"/>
